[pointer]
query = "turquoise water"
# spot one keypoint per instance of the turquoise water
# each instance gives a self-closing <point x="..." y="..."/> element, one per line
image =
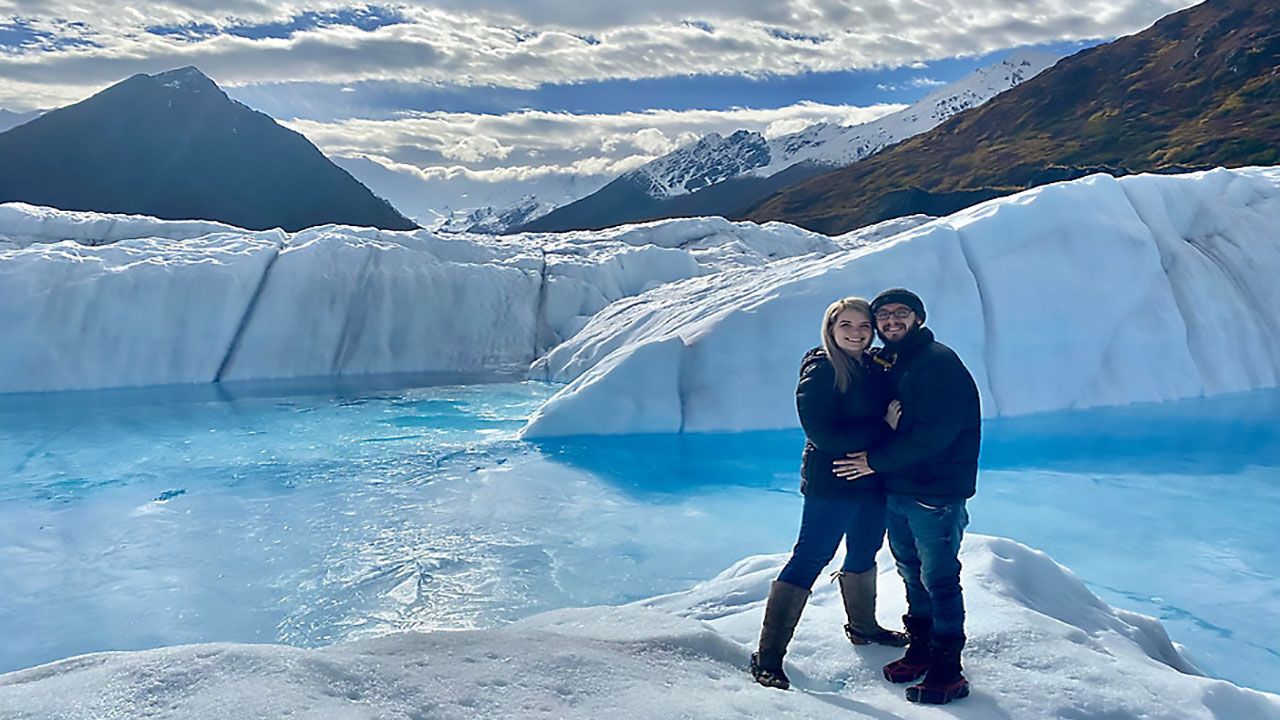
<point x="308" y="513"/>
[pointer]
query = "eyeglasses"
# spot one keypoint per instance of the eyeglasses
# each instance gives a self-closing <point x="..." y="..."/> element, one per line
<point x="900" y="314"/>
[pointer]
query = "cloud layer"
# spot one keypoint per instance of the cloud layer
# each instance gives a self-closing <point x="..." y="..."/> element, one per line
<point x="57" y="51"/>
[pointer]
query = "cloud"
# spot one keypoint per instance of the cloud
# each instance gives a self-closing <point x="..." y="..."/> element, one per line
<point x="926" y="82"/>
<point x="510" y="43"/>
<point x="652" y="141"/>
<point x="482" y="143"/>
<point x="918" y="82"/>
<point x="436" y="160"/>
<point x="476" y="149"/>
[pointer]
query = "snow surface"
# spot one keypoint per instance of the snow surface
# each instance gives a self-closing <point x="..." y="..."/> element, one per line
<point x="1085" y="293"/>
<point x="89" y="300"/>
<point x="1041" y="646"/>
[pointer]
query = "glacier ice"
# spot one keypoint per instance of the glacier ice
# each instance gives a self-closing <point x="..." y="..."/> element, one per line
<point x="90" y="300"/>
<point x="1092" y="292"/>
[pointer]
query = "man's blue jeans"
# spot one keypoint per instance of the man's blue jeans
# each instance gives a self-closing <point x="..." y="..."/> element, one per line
<point x="925" y="539"/>
<point x="859" y="519"/>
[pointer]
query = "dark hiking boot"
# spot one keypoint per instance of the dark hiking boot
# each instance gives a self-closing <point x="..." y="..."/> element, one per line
<point x="775" y="678"/>
<point x="781" y="613"/>
<point x="859" y="593"/>
<point x="916" y="662"/>
<point x="944" y="681"/>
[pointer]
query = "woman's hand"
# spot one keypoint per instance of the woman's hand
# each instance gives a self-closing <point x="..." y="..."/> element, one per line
<point x="893" y="414"/>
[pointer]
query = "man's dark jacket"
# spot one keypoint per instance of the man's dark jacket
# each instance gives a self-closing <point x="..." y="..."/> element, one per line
<point x="837" y="423"/>
<point x="934" y="452"/>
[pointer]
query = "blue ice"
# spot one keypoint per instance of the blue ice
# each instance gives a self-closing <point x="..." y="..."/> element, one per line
<point x="308" y="513"/>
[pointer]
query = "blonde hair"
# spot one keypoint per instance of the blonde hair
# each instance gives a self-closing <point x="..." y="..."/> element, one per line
<point x="843" y="364"/>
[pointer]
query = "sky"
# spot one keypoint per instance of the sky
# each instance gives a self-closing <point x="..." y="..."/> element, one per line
<point x="455" y="103"/>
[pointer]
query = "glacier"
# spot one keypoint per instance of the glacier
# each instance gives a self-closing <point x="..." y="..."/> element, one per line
<point x="1092" y="292"/>
<point x="1078" y="294"/>
<point x="1041" y="646"/>
<point x="91" y="300"/>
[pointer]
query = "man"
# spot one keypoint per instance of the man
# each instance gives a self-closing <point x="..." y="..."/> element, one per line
<point x="929" y="467"/>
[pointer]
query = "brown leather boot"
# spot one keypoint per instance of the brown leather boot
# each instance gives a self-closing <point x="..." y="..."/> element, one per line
<point x="859" y="593"/>
<point x="781" y="613"/>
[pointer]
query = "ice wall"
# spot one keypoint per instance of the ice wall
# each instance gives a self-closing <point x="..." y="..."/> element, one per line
<point x="1091" y="292"/>
<point x="327" y="301"/>
<point x="135" y="312"/>
<point x="22" y="225"/>
<point x="1085" y="293"/>
<point x="89" y="300"/>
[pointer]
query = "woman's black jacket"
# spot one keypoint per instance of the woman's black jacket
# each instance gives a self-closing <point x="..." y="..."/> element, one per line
<point x="837" y="423"/>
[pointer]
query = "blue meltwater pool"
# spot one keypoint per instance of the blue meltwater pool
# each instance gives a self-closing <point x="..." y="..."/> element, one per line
<point x="312" y="513"/>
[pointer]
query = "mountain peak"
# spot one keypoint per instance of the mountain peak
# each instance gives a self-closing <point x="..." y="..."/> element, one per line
<point x="711" y="159"/>
<point x="185" y="78"/>
<point x="174" y="146"/>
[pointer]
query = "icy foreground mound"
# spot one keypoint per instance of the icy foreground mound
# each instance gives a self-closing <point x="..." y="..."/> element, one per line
<point x="90" y="300"/>
<point x="1042" y="646"/>
<point x="1092" y="292"/>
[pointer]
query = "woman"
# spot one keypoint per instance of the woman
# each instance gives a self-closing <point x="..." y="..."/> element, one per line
<point x="842" y="404"/>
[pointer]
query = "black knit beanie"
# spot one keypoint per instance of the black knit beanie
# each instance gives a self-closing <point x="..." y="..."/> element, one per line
<point x="899" y="295"/>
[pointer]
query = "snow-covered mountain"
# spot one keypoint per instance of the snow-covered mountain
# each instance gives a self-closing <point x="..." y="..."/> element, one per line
<point x="836" y="146"/>
<point x="714" y="158"/>
<point x="720" y="175"/>
<point x="491" y="220"/>
<point x="710" y="160"/>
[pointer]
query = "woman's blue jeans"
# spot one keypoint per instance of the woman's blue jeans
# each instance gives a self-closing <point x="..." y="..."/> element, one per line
<point x="925" y="539"/>
<point x="858" y="519"/>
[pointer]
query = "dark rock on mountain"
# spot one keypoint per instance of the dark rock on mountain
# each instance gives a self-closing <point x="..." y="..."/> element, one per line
<point x="627" y="200"/>
<point x="624" y="199"/>
<point x="1198" y="89"/>
<point x="174" y="146"/>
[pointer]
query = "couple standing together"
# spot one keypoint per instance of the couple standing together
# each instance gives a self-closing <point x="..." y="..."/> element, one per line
<point x="892" y="441"/>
